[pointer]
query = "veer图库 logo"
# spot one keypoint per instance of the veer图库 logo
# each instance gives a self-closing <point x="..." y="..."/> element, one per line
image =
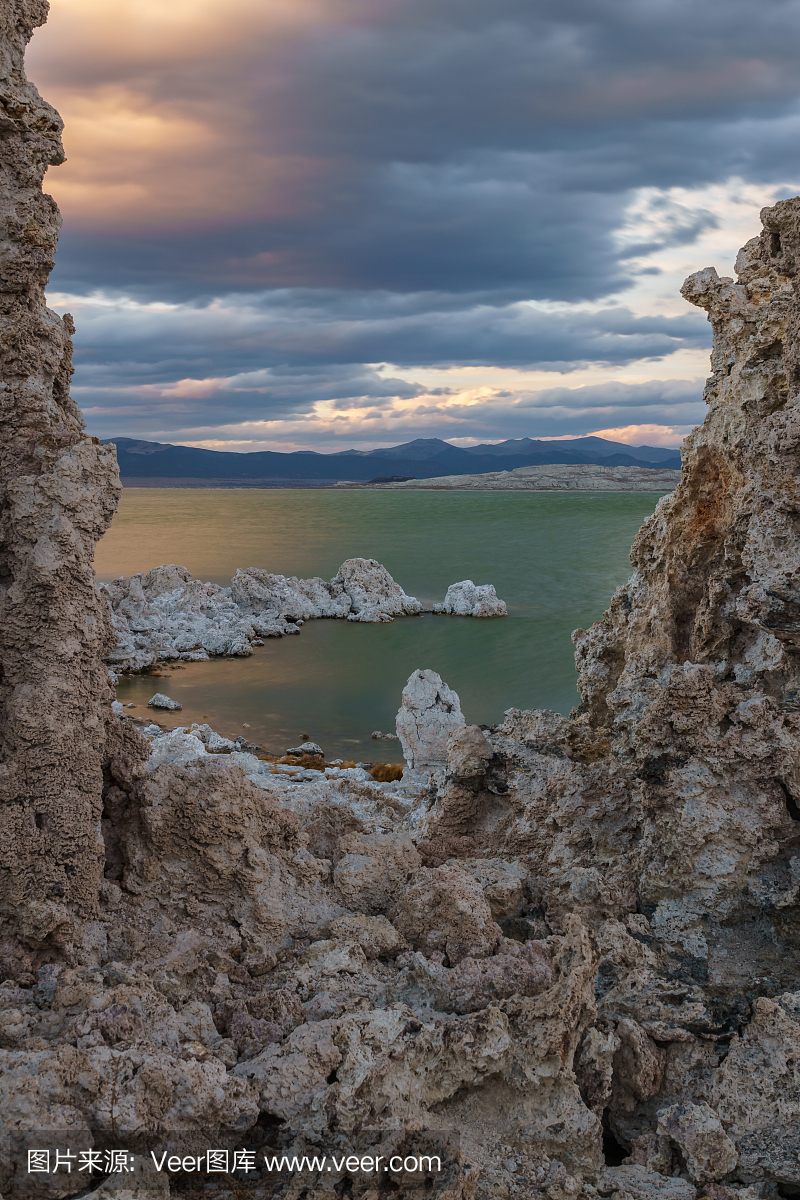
<point x="375" y="1153"/>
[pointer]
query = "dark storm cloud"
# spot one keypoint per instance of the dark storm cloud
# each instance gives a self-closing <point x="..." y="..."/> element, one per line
<point x="295" y="330"/>
<point x="266" y="395"/>
<point x="447" y="159"/>
<point x="504" y="225"/>
<point x="460" y="145"/>
<point x="517" y="74"/>
<point x="511" y="225"/>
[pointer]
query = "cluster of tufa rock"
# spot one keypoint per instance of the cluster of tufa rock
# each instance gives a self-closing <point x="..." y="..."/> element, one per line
<point x="166" y="614"/>
<point x="467" y="599"/>
<point x="572" y="942"/>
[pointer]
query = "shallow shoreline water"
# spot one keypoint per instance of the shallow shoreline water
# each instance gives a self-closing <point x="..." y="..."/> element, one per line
<point x="555" y="558"/>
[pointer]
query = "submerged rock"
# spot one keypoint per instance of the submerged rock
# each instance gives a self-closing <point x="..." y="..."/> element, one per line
<point x="162" y="701"/>
<point x="305" y="748"/>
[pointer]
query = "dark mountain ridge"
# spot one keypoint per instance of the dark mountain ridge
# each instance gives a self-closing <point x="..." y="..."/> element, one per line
<point x="423" y="458"/>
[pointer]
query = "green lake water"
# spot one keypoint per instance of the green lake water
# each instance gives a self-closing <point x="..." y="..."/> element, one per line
<point x="554" y="557"/>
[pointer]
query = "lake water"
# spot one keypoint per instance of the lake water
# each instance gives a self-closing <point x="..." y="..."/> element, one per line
<point x="554" y="557"/>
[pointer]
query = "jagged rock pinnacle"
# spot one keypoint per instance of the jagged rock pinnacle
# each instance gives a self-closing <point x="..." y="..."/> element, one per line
<point x="58" y="491"/>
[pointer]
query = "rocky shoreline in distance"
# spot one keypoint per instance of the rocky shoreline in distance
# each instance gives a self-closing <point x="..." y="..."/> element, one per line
<point x="558" y="477"/>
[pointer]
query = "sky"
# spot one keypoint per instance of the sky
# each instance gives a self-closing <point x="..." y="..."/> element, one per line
<point x="324" y="224"/>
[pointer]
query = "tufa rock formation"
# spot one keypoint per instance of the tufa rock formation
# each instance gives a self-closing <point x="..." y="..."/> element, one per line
<point x="166" y="614"/>
<point x="562" y="953"/>
<point x="59" y="492"/>
<point x="467" y="599"/>
<point x="693" y="672"/>
<point x="429" y="714"/>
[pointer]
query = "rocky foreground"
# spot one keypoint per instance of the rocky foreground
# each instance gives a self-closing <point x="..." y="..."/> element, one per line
<point x="559" y="956"/>
<point x="560" y="477"/>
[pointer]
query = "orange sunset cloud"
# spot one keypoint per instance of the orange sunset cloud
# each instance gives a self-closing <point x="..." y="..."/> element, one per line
<point x="146" y="145"/>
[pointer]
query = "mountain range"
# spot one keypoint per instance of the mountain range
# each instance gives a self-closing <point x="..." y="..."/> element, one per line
<point x="158" y="464"/>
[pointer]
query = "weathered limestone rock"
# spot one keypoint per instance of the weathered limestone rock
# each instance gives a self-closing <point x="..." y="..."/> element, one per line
<point x="709" y="559"/>
<point x="58" y="493"/>
<point x="373" y="870"/>
<point x="698" y="1133"/>
<point x="274" y="596"/>
<point x="376" y="936"/>
<point x="467" y="599"/>
<point x="374" y="595"/>
<point x="693" y="671"/>
<point x="756" y="1091"/>
<point x="213" y="742"/>
<point x="642" y="1184"/>
<point x="665" y="810"/>
<point x="306" y="748"/>
<point x="166" y="614"/>
<point x="160" y="700"/>
<point x="469" y="752"/>
<point x="203" y="820"/>
<point x="176" y="747"/>
<point x="116" y="1061"/>
<point x="444" y="911"/>
<point x="429" y="714"/>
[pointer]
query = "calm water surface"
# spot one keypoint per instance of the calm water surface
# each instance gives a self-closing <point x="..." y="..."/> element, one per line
<point x="554" y="557"/>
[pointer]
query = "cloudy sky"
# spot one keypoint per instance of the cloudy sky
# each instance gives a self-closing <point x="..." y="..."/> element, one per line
<point x="319" y="224"/>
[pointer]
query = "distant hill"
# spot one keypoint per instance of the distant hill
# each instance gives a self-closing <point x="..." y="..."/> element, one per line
<point x="588" y="447"/>
<point x="159" y="464"/>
